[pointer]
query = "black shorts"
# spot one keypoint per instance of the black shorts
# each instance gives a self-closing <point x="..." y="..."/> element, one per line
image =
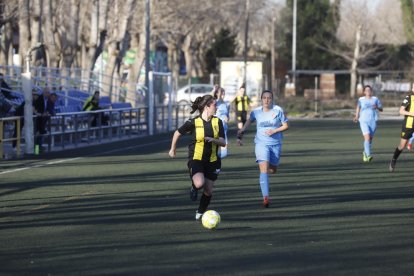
<point x="241" y="116"/>
<point x="210" y="170"/>
<point x="406" y="133"/>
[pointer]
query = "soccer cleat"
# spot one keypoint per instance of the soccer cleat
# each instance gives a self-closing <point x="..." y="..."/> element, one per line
<point x="392" y="165"/>
<point x="193" y="193"/>
<point x="409" y="146"/>
<point x="198" y="215"/>
<point x="364" y="157"/>
<point x="266" y="202"/>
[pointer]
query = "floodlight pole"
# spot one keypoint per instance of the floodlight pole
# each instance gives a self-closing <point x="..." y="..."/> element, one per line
<point x="246" y="39"/>
<point x="294" y="43"/>
<point x="28" y="107"/>
<point x="150" y="104"/>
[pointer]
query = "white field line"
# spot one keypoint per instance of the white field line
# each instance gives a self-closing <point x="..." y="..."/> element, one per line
<point x="77" y="158"/>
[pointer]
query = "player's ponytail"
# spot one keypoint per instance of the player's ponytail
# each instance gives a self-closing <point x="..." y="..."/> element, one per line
<point x="215" y="91"/>
<point x="200" y="103"/>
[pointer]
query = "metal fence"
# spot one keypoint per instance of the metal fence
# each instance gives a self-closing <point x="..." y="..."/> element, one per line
<point x="78" y="129"/>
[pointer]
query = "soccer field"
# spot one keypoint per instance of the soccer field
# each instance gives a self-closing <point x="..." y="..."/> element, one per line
<point x="124" y="209"/>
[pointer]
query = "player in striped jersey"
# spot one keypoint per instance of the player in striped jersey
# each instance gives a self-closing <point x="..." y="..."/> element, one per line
<point x="204" y="162"/>
<point x="241" y="104"/>
<point x="406" y="109"/>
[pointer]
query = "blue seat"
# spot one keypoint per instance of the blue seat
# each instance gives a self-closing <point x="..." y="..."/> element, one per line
<point x="67" y="109"/>
<point x="121" y="105"/>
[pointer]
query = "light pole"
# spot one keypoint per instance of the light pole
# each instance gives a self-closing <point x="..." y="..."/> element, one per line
<point x="150" y="96"/>
<point x="246" y="39"/>
<point x="273" y="52"/>
<point x="147" y="42"/>
<point x="28" y="108"/>
<point x="294" y="43"/>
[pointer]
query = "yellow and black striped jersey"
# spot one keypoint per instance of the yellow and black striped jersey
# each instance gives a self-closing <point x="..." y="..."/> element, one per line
<point x="242" y="103"/>
<point x="408" y="104"/>
<point x="199" y="149"/>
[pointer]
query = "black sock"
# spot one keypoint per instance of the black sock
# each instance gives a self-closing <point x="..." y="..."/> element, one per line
<point x="204" y="202"/>
<point x="397" y="153"/>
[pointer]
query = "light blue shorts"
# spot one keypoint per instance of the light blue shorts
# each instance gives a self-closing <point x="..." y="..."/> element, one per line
<point x="226" y="127"/>
<point x="270" y="153"/>
<point x="368" y="127"/>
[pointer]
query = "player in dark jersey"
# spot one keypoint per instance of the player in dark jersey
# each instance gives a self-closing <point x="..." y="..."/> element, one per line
<point x="204" y="162"/>
<point x="241" y="104"/>
<point x="406" y="109"/>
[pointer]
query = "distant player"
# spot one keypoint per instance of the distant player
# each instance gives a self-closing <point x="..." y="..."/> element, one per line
<point x="270" y="123"/>
<point x="406" y="109"/>
<point x="204" y="164"/>
<point x="241" y="104"/>
<point x="367" y="114"/>
<point x="223" y="112"/>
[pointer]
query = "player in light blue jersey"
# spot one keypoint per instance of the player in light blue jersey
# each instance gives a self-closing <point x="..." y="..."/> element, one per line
<point x="223" y="112"/>
<point x="270" y="123"/>
<point x="367" y="114"/>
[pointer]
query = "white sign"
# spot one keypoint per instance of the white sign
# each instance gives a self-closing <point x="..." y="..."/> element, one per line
<point x="232" y="75"/>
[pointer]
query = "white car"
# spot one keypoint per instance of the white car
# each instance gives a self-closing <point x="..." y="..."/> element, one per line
<point x="185" y="96"/>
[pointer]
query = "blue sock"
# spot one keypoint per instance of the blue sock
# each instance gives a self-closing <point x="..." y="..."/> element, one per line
<point x="264" y="184"/>
<point x="367" y="148"/>
<point x="223" y="152"/>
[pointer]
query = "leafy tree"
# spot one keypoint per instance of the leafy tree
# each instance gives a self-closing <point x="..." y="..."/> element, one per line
<point x="224" y="45"/>
<point x="407" y="7"/>
<point x="316" y="22"/>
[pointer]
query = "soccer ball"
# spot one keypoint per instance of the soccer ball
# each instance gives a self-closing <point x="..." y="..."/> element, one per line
<point x="210" y="219"/>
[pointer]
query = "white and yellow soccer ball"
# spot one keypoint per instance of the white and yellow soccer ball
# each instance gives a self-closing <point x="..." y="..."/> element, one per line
<point x="210" y="219"/>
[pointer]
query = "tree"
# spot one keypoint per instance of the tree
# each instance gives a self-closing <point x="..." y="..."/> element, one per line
<point x="76" y="32"/>
<point x="316" y="23"/>
<point x="407" y="8"/>
<point x="224" y="45"/>
<point x="358" y="39"/>
<point x="9" y="14"/>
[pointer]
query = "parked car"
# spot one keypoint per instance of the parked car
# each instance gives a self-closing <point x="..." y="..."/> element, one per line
<point x="185" y="96"/>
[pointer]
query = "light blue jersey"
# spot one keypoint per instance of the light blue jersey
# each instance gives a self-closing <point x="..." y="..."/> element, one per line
<point x="223" y="110"/>
<point x="274" y="118"/>
<point x="367" y="111"/>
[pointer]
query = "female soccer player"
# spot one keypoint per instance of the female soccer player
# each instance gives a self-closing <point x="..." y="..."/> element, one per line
<point x="410" y="143"/>
<point x="241" y="103"/>
<point x="367" y="114"/>
<point x="270" y="123"/>
<point x="223" y="112"/>
<point x="406" y="109"/>
<point x="204" y="163"/>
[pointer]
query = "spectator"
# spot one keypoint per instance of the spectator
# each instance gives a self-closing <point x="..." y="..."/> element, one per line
<point x="5" y="105"/>
<point x="51" y="104"/>
<point x="5" y="89"/>
<point x="43" y="115"/>
<point x="92" y="104"/>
